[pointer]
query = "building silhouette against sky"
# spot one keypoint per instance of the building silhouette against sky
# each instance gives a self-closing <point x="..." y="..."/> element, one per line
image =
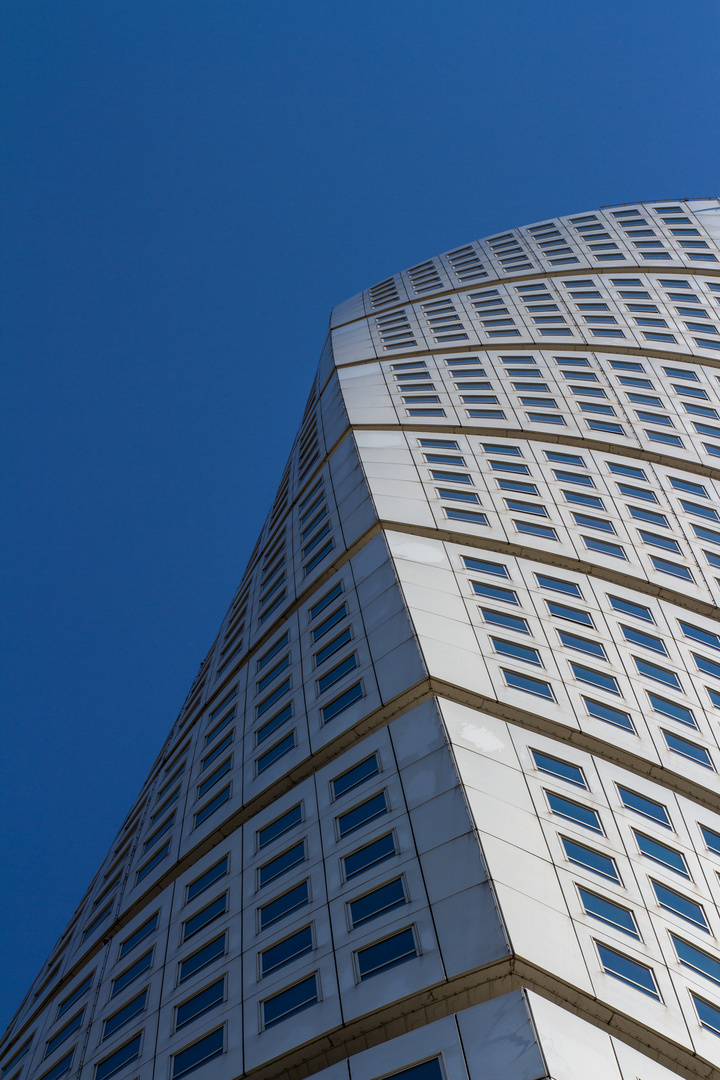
<point x="443" y="801"/>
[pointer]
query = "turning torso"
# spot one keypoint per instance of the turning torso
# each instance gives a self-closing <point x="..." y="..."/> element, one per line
<point x="443" y="800"/>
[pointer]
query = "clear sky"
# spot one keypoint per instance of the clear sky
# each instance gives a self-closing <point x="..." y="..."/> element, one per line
<point x="187" y="189"/>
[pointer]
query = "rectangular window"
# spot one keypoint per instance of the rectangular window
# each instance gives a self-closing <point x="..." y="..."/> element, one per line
<point x="209" y="808"/>
<point x="387" y="897"/>
<point x="350" y="779"/>
<point x="362" y="814"/>
<point x="281" y="906"/>
<point x="272" y="651"/>
<point x="202" y="1051"/>
<point x="386" y="954"/>
<point x="202" y="958"/>
<point x="562" y="769"/>
<point x="125" y="1015"/>
<point x="203" y="918"/>
<point x="505" y="619"/>
<point x="595" y="678"/>
<point x="270" y="726"/>
<point x="64" y="1033"/>
<point x="291" y="1001"/>
<point x="485" y="567"/>
<point x="590" y="859"/>
<point x="287" y="950"/>
<point x="200" y="1003"/>
<point x="598" y="907"/>
<point x="217" y="871"/>
<point x="661" y="853"/>
<point x="335" y="674"/>
<point x="528" y="685"/>
<point x="62" y="1067"/>
<point x="326" y="600"/>
<point x="652" y="671"/>
<point x="609" y="715"/>
<point x="680" y="905"/>
<point x="687" y="749"/>
<point x="516" y="651"/>
<point x="697" y="960"/>
<point x="75" y="996"/>
<point x="581" y="644"/>
<point x="132" y="973"/>
<point x="572" y="811"/>
<point x="639" y="637"/>
<point x="370" y="855"/>
<point x="275" y="753"/>
<point x="627" y="607"/>
<point x="327" y="624"/>
<point x="672" y="709"/>
<point x="113" y="1064"/>
<point x="210" y="781"/>
<point x="343" y="702"/>
<point x="558" y="585"/>
<point x="561" y="611"/>
<point x="140" y="934"/>
<point x="628" y="971"/>
<point x="332" y="647"/>
<point x="279" y="826"/>
<point x="494" y="592"/>
<point x="282" y="863"/>
<point x="632" y="800"/>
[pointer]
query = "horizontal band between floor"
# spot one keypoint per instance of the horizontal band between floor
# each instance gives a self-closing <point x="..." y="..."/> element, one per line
<point x="511" y="279"/>
<point x="463" y="992"/>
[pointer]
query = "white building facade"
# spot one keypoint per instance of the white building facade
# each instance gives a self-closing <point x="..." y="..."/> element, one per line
<point x="443" y="800"/>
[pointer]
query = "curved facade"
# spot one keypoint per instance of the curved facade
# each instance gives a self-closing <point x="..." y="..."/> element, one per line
<point x="443" y="800"/>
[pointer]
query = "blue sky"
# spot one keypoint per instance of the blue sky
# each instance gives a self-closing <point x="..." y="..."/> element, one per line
<point x="187" y="189"/>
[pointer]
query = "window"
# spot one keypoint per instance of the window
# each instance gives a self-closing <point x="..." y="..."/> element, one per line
<point x="284" y="746"/>
<point x="327" y="624"/>
<point x="200" y="1003"/>
<point x="125" y="1015"/>
<point x="688" y="485"/>
<point x="485" y="567"/>
<point x="113" y="1064"/>
<point x="202" y="1051"/>
<point x="343" y="702"/>
<point x="140" y="934"/>
<point x="207" y="879"/>
<point x="562" y="769"/>
<point x="628" y="607"/>
<point x="661" y="853"/>
<point x="64" y="1033"/>
<point x="608" y="714"/>
<point x="581" y="644"/>
<point x="494" y="592"/>
<point x="75" y="996"/>
<point x="202" y="958"/>
<point x="633" y="492"/>
<point x="687" y="749"/>
<point x="279" y="826"/>
<point x="504" y="619"/>
<point x="350" y="779"/>
<point x="697" y="960"/>
<point x="639" y="637"/>
<point x="210" y="807"/>
<point x="132" y="973"/>
<point x="209" y="782"/>
<point x="516" y="651"/>
<point x="566" y="459"/>
<point x="337" y="673"/>
<point x="599" y="907"/>
<point x="282" y="863"/>
<point x="204" y="917"/>
<point x="387" y="897"/>
<point x="572" y="811"/>
<point x="362" y="814"/>
<point x="652" y="671"/>
<point x="281" y="906"/>
<point x="679" y="905"/>
<point x="558" y="585"/>
<point x="561" y="611"/>
<point x="270" y="726"/>
<point x="628" y="971"/>
<point x="528" y="685"/>
<point x="712" y="839"/>
<point x="632" y="800"/>
<point x="334" y="646"/>
<point x="590" y="859"/>
<point x="290" y="1001"/>
<point x="705" y="637"/>
<point x="287" y="950"/>
<point x="386" y="954"/>
<point x="62" y="1067"/>
<point x="595" y="678"/>
<point x="672" y="709"/>
<point x="426" y="1070"/>
<point x="326" y="600"/>
<point x="370" y="855"/>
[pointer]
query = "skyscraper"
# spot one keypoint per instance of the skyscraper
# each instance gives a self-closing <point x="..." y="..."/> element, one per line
<point x="442" y="802"/>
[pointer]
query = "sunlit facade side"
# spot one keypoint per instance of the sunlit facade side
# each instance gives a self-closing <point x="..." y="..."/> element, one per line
<point x="443" y="802"/>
